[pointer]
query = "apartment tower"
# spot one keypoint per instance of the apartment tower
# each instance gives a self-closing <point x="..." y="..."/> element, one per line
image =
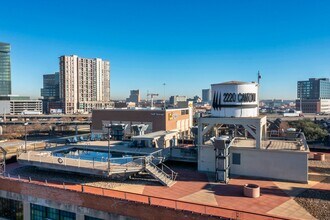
<point x="84" y="84"/>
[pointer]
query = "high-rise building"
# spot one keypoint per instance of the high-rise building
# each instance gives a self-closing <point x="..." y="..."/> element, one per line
<point x="84" y="84"/>
<point x="51" y="85"/>
<point x="206" y="95"/>
<point x="314" y="88"/>
<point x="50" y="93"/>
<point x="5" y="70"/>
<point x="134" y="96"/>
<point x="313" y="95"/>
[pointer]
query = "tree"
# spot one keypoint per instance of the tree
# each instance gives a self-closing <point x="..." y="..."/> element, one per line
<point x="312" y="131"/>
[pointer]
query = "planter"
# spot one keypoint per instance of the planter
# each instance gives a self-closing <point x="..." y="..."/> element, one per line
<point x="251" y="190"/>
<point x="319" y="156"/>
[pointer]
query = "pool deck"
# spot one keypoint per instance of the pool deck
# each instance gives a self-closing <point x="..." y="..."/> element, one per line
<point x="103" y="146"/>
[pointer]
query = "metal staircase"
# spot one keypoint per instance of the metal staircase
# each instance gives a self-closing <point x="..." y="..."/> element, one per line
<point x="164" y="175"/>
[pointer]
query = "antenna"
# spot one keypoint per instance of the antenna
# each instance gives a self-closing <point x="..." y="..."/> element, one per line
<point x="258" y="98"/>
<point x="259" y="77"/>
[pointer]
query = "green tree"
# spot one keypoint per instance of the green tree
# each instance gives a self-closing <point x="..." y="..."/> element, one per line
<point x="312" y="131"/>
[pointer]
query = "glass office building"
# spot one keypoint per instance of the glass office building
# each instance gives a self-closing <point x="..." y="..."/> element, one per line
<point x="5" y="71"/>
<point x="314" y="88"/>
<point x="51" y="86"/>
<point x="313" y="95"/>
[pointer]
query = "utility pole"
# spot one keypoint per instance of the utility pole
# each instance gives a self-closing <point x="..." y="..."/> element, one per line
<point x="164" y="84"/>
<point x="109" y="136"/>
<point x="258" y="99"/>
<point x="25" y="125"/>
<point x="301" y="96"/>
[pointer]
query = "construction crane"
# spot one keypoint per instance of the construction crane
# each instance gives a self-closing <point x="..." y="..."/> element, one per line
<point x="152" y="95"/>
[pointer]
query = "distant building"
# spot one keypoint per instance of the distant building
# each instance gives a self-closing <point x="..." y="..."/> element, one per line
<point x="174" y="100"/>
<point x="134" y="97"/>
<point x="206" y="95"/>
<point x="50" y="88"/>
<point x="5" y="69"/>
<point x="84" y="84"/>
<point x="13" y="104"/>
<point x="50" y="93"/>
<point x="196" y="99"/>
<point x="157" y="119"/>
<point x="313" y="95"/>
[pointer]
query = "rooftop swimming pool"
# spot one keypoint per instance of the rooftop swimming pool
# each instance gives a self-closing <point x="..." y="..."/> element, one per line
<point x="93" y="155"/>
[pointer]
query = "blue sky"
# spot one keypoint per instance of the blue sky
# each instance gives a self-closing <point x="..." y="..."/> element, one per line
<point x="186" y="44"/>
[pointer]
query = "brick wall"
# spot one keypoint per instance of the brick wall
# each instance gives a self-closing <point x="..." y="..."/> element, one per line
<point x="97" y="202"/>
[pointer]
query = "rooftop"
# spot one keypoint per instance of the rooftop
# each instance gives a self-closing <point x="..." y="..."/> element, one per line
<point x="270" y="144"/>
<point x="154" y="135"/>
<point x="140" y="109"/>
<point x="197" y="192"/>
<point x="234" y="83"/>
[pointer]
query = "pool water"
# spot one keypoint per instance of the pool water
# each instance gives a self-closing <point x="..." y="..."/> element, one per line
<point x="100" y="156"/>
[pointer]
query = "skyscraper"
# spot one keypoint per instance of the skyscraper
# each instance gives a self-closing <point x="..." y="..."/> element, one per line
<point x="84" y="83"/>
<point x="313" y="95"/>
<point x="51" y="87"/>
<point x="206" y="95"/>
<point x="5" y="70"/>
<point x="50" y="92"/>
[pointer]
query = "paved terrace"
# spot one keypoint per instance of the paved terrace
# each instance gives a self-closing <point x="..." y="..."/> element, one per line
<point x="270" y="144"/>
<point x="196" y="192"/>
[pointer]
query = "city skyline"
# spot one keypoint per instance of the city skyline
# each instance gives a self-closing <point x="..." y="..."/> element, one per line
<point x="188" y="47"/>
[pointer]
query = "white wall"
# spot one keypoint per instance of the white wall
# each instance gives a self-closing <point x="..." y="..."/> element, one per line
<point x="206" y="158"/>
<point x="284" y="165"/>
<point x="275" y="164"/>
<point x="4" y="107"/>
<point x="325" y="105"/>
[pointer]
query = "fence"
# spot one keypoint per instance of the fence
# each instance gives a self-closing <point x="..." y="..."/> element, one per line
<point x="116" y="164"/>
<point x="148" y="200"/>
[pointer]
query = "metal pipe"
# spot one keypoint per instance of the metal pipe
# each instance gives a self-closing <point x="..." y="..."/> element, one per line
<point x="109" y="136"/>
<point x="25" y="124"/>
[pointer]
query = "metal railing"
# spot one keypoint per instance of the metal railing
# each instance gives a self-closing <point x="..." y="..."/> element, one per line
<point x="125" y="163"/>
<point x="169" y="171"/>
<point x="169" y="177"/>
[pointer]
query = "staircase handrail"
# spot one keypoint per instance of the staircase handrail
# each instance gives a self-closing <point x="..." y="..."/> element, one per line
<point x="157" y="168"/>
<point x="173" y="173"/>
<point x="171" y="176"/>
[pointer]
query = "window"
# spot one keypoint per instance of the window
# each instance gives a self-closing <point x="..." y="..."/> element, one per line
<point x="11" y="209"/>
<point x="91" y="218"/>
<point x="43" y="212"/>
<point x="236" y="159"/>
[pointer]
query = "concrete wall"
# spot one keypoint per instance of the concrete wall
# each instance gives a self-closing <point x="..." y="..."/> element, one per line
<point x="206" y="158"/>
<point x="4" y="107"/>
<point x="283" y="165"/>
<point x="274" y="164"/>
